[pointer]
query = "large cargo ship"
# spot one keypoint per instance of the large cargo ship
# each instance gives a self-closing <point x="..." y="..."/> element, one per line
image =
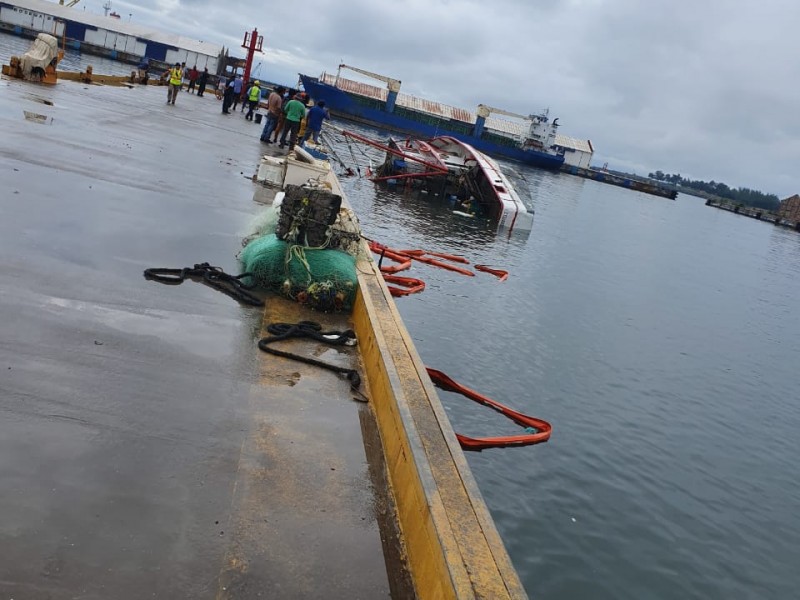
<point x="530" y="139"/>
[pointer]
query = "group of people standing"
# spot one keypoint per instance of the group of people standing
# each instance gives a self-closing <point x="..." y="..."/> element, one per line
<point x="285" y="113"/>
<point x="232" y="94"/>
<point x="286" y="109"/>
<point x="194" y="76"/>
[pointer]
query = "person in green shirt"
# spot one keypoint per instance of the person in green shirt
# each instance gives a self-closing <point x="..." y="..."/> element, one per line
<point x="294" y="110"/>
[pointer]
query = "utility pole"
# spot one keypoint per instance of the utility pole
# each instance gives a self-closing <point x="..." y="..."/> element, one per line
<point x="252" y="42"/>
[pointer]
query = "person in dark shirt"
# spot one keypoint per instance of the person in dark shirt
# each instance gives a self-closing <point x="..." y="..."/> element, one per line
<point x="193" y="75"/>
<point x="316" y="115"/>
<point x="202" y="82"/>
<point x="274" y="113"/>
<point x="230" y="94"/>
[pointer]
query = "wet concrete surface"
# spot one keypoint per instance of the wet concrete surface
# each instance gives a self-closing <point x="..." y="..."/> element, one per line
<point x="147" y="448"/>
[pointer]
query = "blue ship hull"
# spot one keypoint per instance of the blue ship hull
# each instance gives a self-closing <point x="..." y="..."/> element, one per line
<point x="372" y="112"/>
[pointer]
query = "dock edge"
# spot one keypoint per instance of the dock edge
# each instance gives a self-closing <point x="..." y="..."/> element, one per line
<point x="450" y="539"/>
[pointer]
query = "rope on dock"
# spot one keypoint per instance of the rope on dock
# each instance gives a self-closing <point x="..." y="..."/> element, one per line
<point x="214" y="277"/>
<point x="312" y="330"/>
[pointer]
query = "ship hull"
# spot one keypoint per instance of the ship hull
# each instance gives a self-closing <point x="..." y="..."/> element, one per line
<point x="372" y="112"/>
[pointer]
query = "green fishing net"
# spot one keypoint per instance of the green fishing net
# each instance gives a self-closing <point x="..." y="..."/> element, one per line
<point x="321" y="278"/>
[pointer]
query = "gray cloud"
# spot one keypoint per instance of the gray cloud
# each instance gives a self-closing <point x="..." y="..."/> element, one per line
<point x="707" y="89"/>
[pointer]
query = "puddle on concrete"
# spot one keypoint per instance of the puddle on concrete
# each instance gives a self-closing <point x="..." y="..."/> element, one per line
<point x="35" y="117"/>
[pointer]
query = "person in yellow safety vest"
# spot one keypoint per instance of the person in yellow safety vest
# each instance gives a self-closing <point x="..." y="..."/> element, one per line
<point x="301" y="97"/>
<point x="253" y="97"/>
<point x="175" y="83"/>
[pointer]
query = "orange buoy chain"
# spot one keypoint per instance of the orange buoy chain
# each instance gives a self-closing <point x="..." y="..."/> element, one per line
<point x="409" y="285"/>
<point x="404" y="262"/>
<point x="451" y="257"/>
<point x="403" y="259"/>
<point x="420" y="255"/>
<point x="503" y="275"/>
<point x="537" y="431"/>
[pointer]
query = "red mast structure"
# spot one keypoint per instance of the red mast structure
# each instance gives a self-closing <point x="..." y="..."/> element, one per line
<point x="252" y="43"/>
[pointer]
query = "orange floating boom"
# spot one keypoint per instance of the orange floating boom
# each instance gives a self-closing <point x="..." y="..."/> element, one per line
<point x="404" y="261"/>
<point x="540" y="429"/>
<point x="420" y="256"/>
<point x="503" y="275"/>
<point x="452" y="257"/>
<point x="410" y="285"/>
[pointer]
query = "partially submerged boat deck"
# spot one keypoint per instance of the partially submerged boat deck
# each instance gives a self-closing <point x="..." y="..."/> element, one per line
<point x="147" y="447"/>
<point x="471" y="178"/>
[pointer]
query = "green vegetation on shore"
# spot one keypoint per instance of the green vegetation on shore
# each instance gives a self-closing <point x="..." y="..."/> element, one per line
<point x="744" y="196"/>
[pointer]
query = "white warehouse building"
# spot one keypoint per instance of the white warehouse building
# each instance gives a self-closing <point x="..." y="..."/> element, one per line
<point x="105" y="35"/>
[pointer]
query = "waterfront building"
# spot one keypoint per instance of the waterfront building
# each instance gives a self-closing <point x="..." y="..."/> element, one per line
<point x="789" y="209"/>
<point x="106" y="35"/>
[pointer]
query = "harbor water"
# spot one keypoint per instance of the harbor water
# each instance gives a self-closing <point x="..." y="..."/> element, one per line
<point x="661" y="340"/>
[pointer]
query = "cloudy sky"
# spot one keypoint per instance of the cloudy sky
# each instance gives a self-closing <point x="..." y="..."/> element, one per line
<point x="706" y="88"/>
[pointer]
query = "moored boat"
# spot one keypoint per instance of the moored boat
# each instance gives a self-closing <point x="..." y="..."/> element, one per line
<point x="530" y="139"/>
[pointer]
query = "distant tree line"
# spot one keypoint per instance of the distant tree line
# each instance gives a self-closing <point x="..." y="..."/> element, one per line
<point x="744" y="196"/>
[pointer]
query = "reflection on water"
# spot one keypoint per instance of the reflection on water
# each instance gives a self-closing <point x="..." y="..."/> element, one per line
<point x="661" y="340"/>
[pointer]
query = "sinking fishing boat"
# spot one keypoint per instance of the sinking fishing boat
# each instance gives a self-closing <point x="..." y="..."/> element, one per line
<point x="473" y="181"/>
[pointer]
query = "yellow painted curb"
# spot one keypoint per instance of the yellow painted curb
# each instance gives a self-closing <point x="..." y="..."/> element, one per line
<point x="452" y="544"/>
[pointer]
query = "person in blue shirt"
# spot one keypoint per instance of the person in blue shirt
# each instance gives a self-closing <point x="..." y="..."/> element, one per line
<point x="316" y="115"/>
<point x="237" y="90"/>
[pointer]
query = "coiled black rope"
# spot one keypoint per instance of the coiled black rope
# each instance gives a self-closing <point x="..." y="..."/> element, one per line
<point x="214" y="277"/>
<point x="312" y="330"/>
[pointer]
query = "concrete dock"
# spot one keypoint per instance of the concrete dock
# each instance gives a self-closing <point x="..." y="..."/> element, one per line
<point x="147" y="447"/>
<point x="630" y="182"/>
<point x="141" y="437"/>
<point x="759" y="214"/>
